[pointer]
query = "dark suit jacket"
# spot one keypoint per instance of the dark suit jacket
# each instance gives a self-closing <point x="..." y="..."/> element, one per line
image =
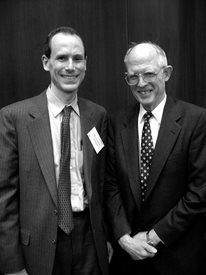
<point x="28" y="192"/>
<point x="175" y="203"/>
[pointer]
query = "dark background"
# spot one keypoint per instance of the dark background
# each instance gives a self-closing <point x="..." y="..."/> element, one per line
<point x="107" y="26"/>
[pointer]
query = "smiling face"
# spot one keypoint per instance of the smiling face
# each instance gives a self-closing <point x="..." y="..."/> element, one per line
<point x="142" y="59"/>
<point x="66" y="64"/>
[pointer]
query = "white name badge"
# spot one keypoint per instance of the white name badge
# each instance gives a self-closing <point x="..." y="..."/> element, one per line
<point x="95" y="140"/>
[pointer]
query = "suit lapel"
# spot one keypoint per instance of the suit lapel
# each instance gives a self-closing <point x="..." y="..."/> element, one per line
<point x="131" y="150"/>
<point x="87" y="123"/>
<point x="40" y="133"/>
<point x="167" y="136"/>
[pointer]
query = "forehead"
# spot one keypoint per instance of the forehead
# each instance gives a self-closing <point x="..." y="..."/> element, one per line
<point x="66" y="42"/>
<point x="142" y="56"/>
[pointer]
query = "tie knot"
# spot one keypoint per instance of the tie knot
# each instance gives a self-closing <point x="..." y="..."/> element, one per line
<point x="67" y="110"/>
<point x="147" y="116"/>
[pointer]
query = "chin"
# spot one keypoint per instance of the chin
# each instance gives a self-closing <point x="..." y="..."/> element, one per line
<point x="145" y="101"/>
<point x="70" y="88"/>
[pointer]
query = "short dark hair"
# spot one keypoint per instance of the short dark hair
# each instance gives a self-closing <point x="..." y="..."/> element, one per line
<point x="62" y="29"/>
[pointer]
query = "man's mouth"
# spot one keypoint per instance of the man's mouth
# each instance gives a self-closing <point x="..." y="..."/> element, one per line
<point x="144" y="92"/>
<point x="70" y="77"/>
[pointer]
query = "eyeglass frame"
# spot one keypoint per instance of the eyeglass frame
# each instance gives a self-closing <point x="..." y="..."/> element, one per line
<point x="153" y="78"/>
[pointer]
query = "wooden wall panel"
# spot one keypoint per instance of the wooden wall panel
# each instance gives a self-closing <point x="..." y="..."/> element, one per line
<point x="157" y="21"/>
<point x="199" y="74"/>
<point x="25" y="24"/>
<point x="179" y="26"/>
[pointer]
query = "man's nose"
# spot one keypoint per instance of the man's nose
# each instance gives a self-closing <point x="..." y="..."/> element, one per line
<point x="70" y="65"/>
<point x="141" y="82"/>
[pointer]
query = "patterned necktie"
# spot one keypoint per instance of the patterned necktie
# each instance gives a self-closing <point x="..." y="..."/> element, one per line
<point x="65" y="218"/>
<point x="146" y="154"/>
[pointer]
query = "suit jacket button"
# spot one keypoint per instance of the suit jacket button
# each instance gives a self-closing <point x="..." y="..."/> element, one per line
<point x="54" y="242"/>
<point x="55" y="212"/>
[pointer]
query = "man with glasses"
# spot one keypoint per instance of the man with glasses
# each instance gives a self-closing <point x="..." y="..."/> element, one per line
<point x="156" y="174"/>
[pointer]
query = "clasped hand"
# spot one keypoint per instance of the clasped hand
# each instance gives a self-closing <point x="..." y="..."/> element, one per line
<point x="137" y="247"/>
<point x="22" y="272"/>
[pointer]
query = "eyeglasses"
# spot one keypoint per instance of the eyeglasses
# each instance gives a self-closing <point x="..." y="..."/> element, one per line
<point x="147" y="77"/>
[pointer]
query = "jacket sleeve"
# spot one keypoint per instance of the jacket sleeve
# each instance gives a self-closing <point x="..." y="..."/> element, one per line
<point x="115" y="210"/>
<point x="192" y="204"/>
<point x="11" y="259"/>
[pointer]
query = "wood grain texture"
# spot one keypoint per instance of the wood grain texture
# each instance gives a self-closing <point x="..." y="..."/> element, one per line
<point x="106" y="27"/>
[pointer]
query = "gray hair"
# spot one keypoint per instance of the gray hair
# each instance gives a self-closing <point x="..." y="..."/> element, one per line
<point x="162" y="58"/>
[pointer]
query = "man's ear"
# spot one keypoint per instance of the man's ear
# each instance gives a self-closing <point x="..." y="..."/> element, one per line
<point x="85" y="63"/>
<point x="45" y="62"/>
<point x="167" y="72"/>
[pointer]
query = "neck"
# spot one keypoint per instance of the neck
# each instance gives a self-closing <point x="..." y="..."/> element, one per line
<point x="65" y="97"/>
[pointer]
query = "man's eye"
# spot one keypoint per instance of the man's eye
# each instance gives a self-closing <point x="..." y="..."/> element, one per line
<point x="61" y="58"/>
<point x="78" y="58"/>
<point x="149" y="74"/>
<point x="133" y="77"/>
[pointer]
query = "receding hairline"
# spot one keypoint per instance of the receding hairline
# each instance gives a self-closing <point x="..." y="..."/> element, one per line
<point x="66" y="30"/>
<point x="162" y="58"/>
<point x="66" y="34"/>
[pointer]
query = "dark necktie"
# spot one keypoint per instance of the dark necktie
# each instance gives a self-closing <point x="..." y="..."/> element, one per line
<point x="146" y="154"/>
<point x="65" y="218"/>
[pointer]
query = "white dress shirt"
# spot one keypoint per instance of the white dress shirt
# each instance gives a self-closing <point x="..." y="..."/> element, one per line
<point x="154" y="121"/>
<point x="55" y="107"/>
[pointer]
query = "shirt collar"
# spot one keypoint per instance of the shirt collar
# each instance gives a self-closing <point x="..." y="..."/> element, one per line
<point x="56" y="105"/>
<point x="157" y="112"/>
